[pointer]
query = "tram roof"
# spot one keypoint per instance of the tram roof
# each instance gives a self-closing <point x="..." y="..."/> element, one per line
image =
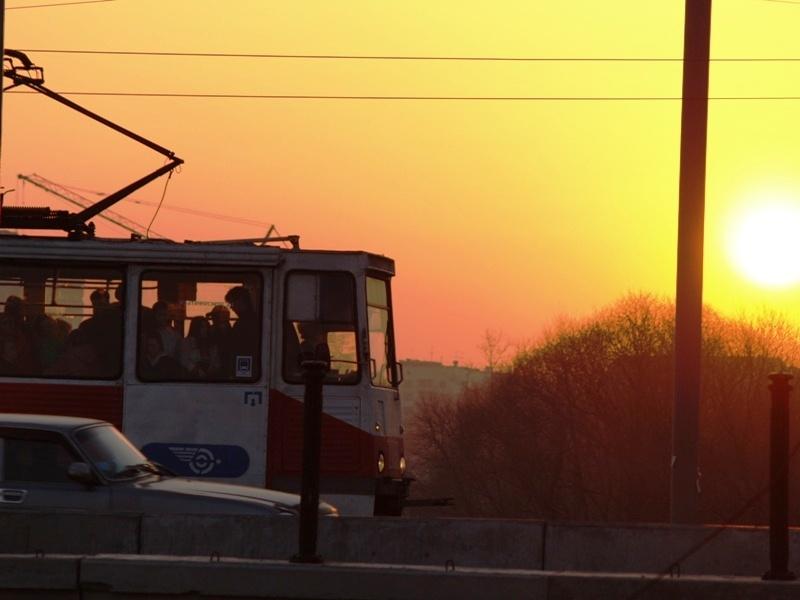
<point x="157" y="251"/>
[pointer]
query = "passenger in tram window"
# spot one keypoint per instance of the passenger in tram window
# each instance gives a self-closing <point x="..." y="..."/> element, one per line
<point x="245" y="332"/>
<point x="163" y="327"/>
<point x="313" y="341"/>
<point x="100" y="301"/>
<point x="10" y="358"/>
<point x="102" y="331"/>
<point x="14" y="328"/>
<point x="156" y="364"/>
<point x="79" y="359"/>
<point x="198" y="354"/>
<point x="220" y="332"/>
<point x="119" y="296"/>
<point x="14" y="313"/>
<point x="48" y="343"/>
<point x="220" y="318"/>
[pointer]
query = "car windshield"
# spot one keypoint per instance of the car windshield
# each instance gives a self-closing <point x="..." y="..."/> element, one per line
<point x="111" y="452"/>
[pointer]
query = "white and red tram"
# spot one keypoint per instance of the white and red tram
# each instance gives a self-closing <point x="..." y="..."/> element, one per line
<point x="191" y="348"/>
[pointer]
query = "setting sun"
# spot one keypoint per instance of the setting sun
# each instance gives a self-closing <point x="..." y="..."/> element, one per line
<point x="764" y="244"/>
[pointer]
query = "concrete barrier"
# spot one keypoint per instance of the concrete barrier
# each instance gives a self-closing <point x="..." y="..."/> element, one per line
<point x="238" y="578"/>
<point x="652" y="548"/>
<point x="465" y="542"/>
<point x="68" y="532"/>
<point x="501" y="544"/>
<point x="491" y="543"/>
<point x="121" y="577"/>
<point x="46" y="577"/>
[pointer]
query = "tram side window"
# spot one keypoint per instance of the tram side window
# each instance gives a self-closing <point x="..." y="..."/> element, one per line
<point x="381" y="346"/>
<point x="320" y="316"/>
<point x="60" y="322"/>
<point x="197" y="326"/>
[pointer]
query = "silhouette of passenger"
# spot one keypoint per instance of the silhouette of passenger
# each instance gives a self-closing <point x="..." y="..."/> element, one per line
<point x="103" y="333"/>
<point x="48" y="343"/>
<point x="13" y="327"/>
<point x="220" y="327"/>
<point x="100" y="301"/>
<point x="10" y="358"/>
<point x="156" y="364"/>
<point x="198" y="354"/>
<point x="163" y="327"/>
<point x="220" y="334"/>
<point x="313" y="342"/>
<point x="245" y="332"/>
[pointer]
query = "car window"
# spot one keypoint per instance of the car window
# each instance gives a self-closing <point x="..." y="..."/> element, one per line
<point x="35" y="460"/>
<point x="109" y="450"/>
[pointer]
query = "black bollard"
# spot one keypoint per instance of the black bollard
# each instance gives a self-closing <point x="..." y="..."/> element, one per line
<point x="315" y="365"/>
<point x="779" y="479"/>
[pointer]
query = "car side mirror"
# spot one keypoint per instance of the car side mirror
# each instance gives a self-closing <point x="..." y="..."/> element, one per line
<point x="82" y="473"/>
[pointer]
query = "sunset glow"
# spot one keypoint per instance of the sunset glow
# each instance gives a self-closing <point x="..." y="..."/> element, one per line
<point x="765" y="244"/>
<point x="501" y="214"/>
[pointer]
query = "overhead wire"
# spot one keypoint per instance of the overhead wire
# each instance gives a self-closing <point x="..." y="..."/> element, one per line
<point x="158" y="208"/>
<point x="401" y="57"/>
<point x="189" y="211"/>
<point x="56" y="4"/>
<point x="222" y="96"/>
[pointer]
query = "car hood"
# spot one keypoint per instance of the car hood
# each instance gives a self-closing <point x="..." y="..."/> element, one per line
<point x="212" y="489"/>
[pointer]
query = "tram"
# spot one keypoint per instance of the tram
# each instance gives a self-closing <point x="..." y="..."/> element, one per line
<point x="192" y="350"/>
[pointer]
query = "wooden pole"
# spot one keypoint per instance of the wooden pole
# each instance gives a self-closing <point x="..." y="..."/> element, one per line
<point x="689" y="285"/>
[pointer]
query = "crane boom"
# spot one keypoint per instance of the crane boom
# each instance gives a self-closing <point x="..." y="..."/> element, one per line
<point x="51" y="187"/>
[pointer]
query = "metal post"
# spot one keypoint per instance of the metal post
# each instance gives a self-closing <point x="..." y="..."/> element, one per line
<point x="689" y="285"/>
<point x="315" y="365"/>
<point x="2" y="55"/>
<point x="779" y="479"/>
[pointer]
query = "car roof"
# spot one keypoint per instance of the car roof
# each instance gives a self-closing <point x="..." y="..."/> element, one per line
<point x="46" y="422"/>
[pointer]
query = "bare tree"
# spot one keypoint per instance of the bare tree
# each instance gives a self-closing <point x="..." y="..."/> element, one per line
<point x="578" y="425"/>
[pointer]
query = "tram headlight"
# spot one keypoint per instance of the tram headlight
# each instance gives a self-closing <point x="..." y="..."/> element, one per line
<point x="381" y="462"/>
<point x="402" y="465"/>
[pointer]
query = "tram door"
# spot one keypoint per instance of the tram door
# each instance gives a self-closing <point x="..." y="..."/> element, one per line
<point x="196" y="371"/>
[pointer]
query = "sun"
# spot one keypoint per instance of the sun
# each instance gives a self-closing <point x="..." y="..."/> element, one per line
<point x="764" y="243"/>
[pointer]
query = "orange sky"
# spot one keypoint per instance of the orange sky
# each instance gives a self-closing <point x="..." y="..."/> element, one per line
<point x="500" y="215"/>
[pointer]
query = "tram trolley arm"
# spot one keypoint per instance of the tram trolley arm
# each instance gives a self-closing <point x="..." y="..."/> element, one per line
<point x="75" y="224"/>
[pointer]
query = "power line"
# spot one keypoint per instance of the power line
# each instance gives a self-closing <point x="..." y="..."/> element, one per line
<point x="58" y="4"/>
<point x="423" y="98"/>
<point x="399" y="57"/>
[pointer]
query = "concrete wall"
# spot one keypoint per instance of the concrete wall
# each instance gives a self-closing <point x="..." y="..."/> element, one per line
<point x="131" y="577"/>
<point x="499" y="544"/>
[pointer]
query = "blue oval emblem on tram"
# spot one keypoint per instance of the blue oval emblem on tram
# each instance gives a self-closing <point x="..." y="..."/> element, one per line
<point x="200" y="460"/>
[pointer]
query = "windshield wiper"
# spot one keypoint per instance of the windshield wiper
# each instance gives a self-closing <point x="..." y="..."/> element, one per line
<point x="131" y="470"/>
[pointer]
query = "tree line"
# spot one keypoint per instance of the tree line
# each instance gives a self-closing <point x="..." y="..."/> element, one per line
<point x="578" y="426"/>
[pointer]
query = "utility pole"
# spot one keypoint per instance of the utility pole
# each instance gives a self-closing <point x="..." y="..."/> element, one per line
<point x="684" y="488"/>
<point x="2" y="61"/>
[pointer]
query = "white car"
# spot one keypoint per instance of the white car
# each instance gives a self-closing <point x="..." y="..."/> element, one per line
<point x="53" y="462"/>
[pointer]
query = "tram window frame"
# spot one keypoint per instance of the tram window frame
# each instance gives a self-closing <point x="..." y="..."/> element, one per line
<point x="114" y="275"/>
<point x="229" y="278"/>
<point x="287" y="324"/>
<point x="390" y="380"/>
